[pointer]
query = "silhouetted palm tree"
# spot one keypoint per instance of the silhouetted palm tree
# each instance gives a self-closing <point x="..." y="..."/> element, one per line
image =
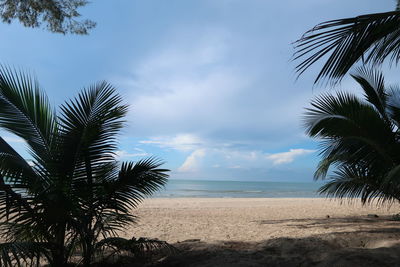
<point x="360" y="138"/>
<point x="370" y="38"/>
<point x="74" y="193"/>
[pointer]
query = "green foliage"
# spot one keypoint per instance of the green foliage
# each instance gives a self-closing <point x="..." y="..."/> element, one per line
<point x="57" y="15"/>
<point x="370" y="38"/>
<point x="74" y="193"/>
<point x="134" y="248"/>
<point x="360" y="138"/>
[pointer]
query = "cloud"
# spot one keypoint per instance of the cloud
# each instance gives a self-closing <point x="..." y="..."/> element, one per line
<point x="192" y="162"/>
<point x="200" y="83"/>
<point x="230" y="163"/>
<point x="217" y="99"/>
<point x="125" y="154"/>
<point x="182" y="142"/>
<point x="287" y="157"/>
<point x="207" y="156"/>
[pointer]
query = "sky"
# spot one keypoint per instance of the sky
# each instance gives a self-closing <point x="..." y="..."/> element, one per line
<point x="210" y="83"/>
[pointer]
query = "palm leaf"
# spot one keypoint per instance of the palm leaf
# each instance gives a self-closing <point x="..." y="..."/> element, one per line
<point x="90" y="124"/>
<point x="359" y="138"/>
<point x="393" y="104"/>
<point x="344" y="115"/>
<point x="370" y="38"/>
<point x="25" y="111"/>
<point x="15" y="174"/>
<point x="75" y="192"/>
<point x="140" y="248"/>
<point x="356" y="182"/>
<point x="22" y="253"/>
<point x="135" y="181"/>
<point x="373" y="84"/>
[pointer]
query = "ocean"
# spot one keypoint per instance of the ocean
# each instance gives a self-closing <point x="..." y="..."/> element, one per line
<point x="238" y="189"/>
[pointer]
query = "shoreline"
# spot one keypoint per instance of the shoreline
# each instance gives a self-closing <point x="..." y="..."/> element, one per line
<point x="237" y="189"/>
<point x="230" y="197"/>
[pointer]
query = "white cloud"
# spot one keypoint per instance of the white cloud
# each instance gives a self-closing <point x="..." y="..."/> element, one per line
<point x="125" y="154"/>
<point x="181" y="142"/>
<point x="208" y="157"/>
<point x="201" y="82"/>
<point x="287" y="157"/>
<point x="192" y="162"/>
<point x="212" y="95"/>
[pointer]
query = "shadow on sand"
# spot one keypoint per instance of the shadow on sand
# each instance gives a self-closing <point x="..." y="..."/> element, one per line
<point x="365" y="247"/>
<point x="335" y="222"/>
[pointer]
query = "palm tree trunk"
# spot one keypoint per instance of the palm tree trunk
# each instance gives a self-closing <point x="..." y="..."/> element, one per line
<point x="59" y="257"/>
<point x="89" y="236"/>
<point x="88" y="251"/>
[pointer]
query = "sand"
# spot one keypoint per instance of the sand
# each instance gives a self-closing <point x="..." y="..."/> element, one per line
<point x="271" y="232"/>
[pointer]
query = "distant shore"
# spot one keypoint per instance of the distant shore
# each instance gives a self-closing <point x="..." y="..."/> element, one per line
<point x="204" y="222"/>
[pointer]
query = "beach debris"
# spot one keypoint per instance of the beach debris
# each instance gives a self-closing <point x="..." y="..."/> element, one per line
<point x="327" y="216"/>
<point x="372" y="215"/>
<point x="396" y="217"/>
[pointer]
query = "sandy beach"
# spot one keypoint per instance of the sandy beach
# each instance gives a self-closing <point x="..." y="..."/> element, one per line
<point x="272" y="231"/>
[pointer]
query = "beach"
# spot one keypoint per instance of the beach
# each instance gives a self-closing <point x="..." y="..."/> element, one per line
<point x="271" y="230"/>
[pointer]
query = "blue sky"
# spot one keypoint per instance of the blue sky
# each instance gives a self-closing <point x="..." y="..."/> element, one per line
<point x="210" y="82"/>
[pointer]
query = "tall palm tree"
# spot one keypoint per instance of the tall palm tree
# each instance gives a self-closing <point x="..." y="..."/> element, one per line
<point x="74" y="192"/>
<point x="369" y="38"/>
<point x="360" y="138"/>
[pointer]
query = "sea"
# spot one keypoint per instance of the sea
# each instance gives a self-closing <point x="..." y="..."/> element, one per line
<point x="238" y="189"/>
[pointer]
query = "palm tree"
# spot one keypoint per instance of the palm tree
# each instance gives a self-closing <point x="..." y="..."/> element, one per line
<point x="360" y="138"/>
<point x="370" y="38"/>
<point x="74" y="192"/>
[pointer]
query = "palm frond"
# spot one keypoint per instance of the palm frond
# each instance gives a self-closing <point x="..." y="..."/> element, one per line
<point x="344" y="115"/>
<point x="26" y="111"/>
<point x="356" y="182"/>
<point x="90" y="124"/>
<point x="370" y="38"/>
<point x="373" y="84"/>
<point x="15" y="175"/>
<point x="350" y="137"/>
<point x="393" y="104"/>
<point x="360" y="139"/>
<point x="108" y="222"/>
<point x="135" y="181"/>
<point x="140" y="248"/>
<point x="76" y="192"/>
<point x="22" y="253"/>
